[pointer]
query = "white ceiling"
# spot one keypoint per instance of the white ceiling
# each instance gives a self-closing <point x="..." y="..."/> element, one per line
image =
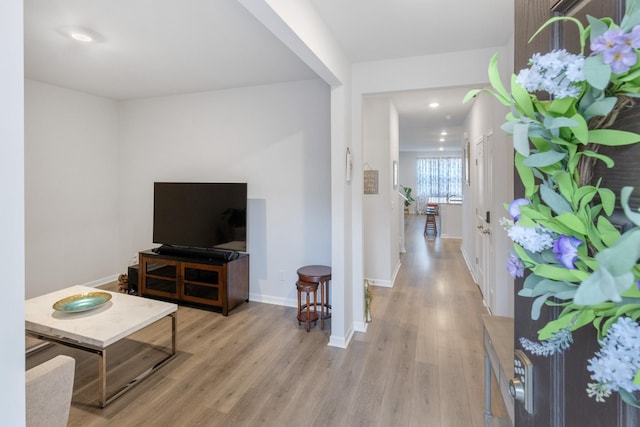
<point x="149" y="48"/>
<point x="381" y="29"/>
<point x="421" y="126"/>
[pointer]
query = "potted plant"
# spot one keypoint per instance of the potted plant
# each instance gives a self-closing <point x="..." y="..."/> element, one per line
<point x="408" y="199"/>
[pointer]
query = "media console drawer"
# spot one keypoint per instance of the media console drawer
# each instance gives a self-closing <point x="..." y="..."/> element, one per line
<point x="208" y="282"/>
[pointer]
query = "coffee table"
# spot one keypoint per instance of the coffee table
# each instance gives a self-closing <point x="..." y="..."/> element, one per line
<point x="97" y="329"/>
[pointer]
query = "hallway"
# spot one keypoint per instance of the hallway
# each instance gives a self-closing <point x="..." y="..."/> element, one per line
<point x="436" y="306"/>
<point x="419" y="364"/>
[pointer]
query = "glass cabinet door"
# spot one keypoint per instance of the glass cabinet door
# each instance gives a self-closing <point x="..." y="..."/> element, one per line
<point x="161" y="278"/>
<point x="202" y="283"/>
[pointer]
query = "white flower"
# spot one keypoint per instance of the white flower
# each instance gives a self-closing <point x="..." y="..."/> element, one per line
<point x="534" y="239"/>
<point x="556" y="72"/>
<point x="616" y="364"/>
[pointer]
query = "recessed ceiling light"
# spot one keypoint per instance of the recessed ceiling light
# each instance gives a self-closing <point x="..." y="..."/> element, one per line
<point x="443" y="133"/>
<point x="81" y="36"/>
<point x="441" y="148"/>
<point x="442" y="139"/>
<point x="434" y="105"/>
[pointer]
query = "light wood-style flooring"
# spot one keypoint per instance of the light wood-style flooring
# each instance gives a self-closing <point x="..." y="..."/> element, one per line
<point x="419" y="364"/>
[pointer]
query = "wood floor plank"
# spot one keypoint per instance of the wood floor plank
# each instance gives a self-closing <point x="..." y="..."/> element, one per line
<point x="419" y="364"/>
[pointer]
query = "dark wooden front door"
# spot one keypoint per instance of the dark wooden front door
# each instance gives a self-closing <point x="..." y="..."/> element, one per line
<point x="560" y="381"/>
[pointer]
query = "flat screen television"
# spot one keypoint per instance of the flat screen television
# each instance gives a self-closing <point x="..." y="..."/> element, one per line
<point x="195" y="215"/>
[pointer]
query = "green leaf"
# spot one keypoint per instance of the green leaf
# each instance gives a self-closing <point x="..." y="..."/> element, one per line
<point x="521" y="138"/>
<point x="555" y="201"/>
<point x="615" y="274"/>
<point x="531" y="281"/>
<point x="556" y="226"/>
<point x="523" y="254"/>
<point x="628" y="397"/>
<point x="494" y="78"/>
<point x="532" y="213"/>
<point x="537" y="306"/>
<point x="631" y="75"/>
<point x="608" y="199"/>
<point x="565" y="184"/>
<point x="561" y="106"/>
<point x="563" y="18"/>
<point x="562" y="322"/>
<point x="625" y="194"/>
<point x="631" y="18"/>
<point x="606" y="159"/>
<point x="581" y="129"/>
<point x="573" y="222"/>
<point x="522" y="98"/>
<point x="472" y="93"/>
<point x="558" y="122"/>
<point x="612" y="137"/>
<point x="584" y="317"/>
<point x="584" y="195"/>
<point x="632" y="292"/>
<point x="626" y="309"/>
<point x="546" y="158"/>
<point x="597" y="72"/>
<point x="547" y="286"/>
<point x="597" y="27"/>
<point x="526" y="176"/>
<point x="608" y="232"/>
<point x="560" y="273"/>
<point x="600" y="108"/>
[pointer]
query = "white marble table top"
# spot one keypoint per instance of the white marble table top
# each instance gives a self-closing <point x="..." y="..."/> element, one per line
<point x="121" y="316"/>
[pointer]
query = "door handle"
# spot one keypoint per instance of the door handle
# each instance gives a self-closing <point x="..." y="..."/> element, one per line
<point x="521" y="387"/>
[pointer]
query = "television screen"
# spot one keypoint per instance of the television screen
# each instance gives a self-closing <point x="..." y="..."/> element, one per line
<point x="200" y="215"/>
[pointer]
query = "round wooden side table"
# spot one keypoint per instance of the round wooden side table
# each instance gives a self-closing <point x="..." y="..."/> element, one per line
<point x="320" y="275"/>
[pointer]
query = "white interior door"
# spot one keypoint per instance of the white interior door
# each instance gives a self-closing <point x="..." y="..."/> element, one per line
<point x="490" y="285"/>
<point x="484" y="242"/>
<point x="479" y="209"/>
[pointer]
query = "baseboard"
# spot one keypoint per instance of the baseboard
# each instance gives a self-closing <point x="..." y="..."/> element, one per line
<point x="466" y="261"/>
<point x="382" y="283"/>
<point x="341" y="342"/>
<point x="102" y="281"/>
<point x="360" y="326"/>
<point x="287" y="302"/>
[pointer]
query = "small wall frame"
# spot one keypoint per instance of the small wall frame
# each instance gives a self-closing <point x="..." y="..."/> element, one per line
<point x="371" y="182"/>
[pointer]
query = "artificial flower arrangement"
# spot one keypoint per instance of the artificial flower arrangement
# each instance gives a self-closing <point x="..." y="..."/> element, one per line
<point x="574" y="256"/>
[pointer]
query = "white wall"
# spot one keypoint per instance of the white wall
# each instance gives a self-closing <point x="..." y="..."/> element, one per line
<point x="71" y="182"/>
<point x="12" y="406"/>
<point x="298" y="26"/>
<point x="91" y="163"/>
<point x="484" y="120"/>
<point x="380" y="211"/>
<point x="276" y="138"/>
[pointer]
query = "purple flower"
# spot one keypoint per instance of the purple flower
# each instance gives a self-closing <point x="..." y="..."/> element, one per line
<point x="633" y="38"/>
<point x="515" y="267"/>
<point x="514" y="208"/>
<point x="566" y="250"/>
<point x="621" y="57"/>
<point x="608" y="40"/>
